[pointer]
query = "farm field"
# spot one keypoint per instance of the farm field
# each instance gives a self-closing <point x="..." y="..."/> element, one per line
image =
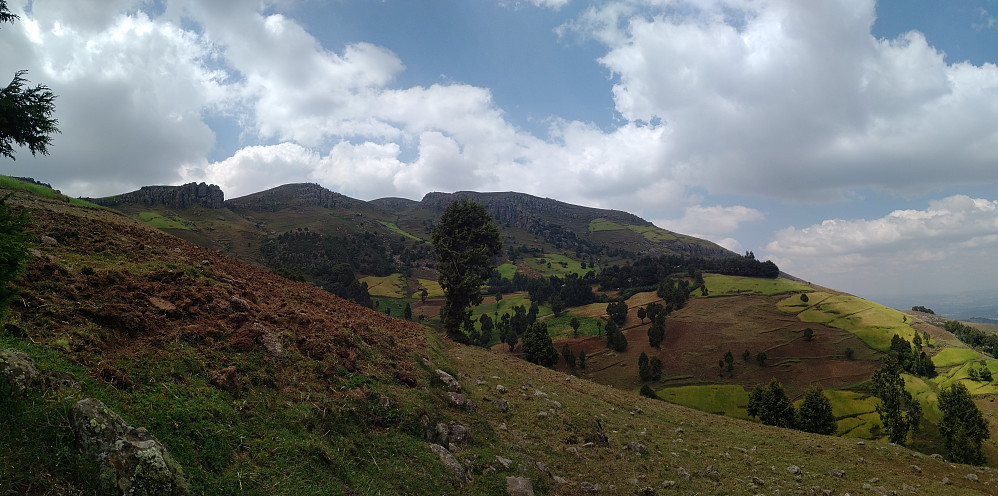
<point x="555" y="264"/>
<point x="386" y="286"/>
<point x="721" y="285"/>
<point x="874" y="324"/>
<point x="727" y="400"/>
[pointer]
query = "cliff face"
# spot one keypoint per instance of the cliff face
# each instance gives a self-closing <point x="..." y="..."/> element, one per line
<point x="180" y="197"/>
<point x="293" y="196"/>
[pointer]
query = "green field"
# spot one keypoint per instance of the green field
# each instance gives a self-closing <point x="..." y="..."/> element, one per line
<point x="873" y="323"/>
<point x="949" y="357"/>
<point x="721" y="285"/>
<point x="961" y="373"/>
<point x="393" y="227"/>
<point x="160" y="222"/>
<point x="559" y="328"/>
<point x="554" y="264"/>
<point x="433" y="289"/>
<point x="727" y="400"/>
<point x="386" y="286"/>
<point x="507" y="271"/>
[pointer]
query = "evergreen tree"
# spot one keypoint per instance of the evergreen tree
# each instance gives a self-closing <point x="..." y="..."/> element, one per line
<point x="656" y="333"/>
<point x="746" y="355"/>
<point x="615" y="339"/>
<point x="537" y="345"/>
<point x="407" y="312"/>
<point x="465" y="241"/>
<point x="761" y="358"/>
<point x="815" y="413"/>
<point x="582" y="359"/>
<point x="963" y="426"/>
<point x="644" y="370"/>
<point x="575" y="324"/>
<point x="771" y="405"/>
<point x="808" y="334"/>
<point x="569" y="357"/>
<point x="642" y="313"/>
<point x="899" y="412"/>
<point x="656" y="368"/>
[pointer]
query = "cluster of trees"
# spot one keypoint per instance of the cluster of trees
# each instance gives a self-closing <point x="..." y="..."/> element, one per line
<point x="537" y="345"/>
<point x="512" y="326"/>
<point x="561" y="292"/>
<point x="615" y="339"/>
<point x="648" y="271"/>
<point x="974" y="337"/>
<point x="899" y="412"/>
<point x="649" y="369"/>
<point x="368" y="253"/>
<point x="771" y="406"/>
<point x="920" y="308"/>
<point x="570" y="358"/>
<point x="913" y="361"/>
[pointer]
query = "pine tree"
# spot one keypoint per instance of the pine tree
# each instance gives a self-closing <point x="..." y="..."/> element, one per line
<point x="899" y="412"/>
<point x="963" y="426"/>
<point x="771" y="405"/>
<point x="815" y="413"/>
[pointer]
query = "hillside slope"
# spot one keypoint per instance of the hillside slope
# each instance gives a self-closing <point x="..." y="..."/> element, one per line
<point x="325" y="397"/>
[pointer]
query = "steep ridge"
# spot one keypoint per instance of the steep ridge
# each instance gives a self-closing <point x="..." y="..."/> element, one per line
<point x="179" y="197"/>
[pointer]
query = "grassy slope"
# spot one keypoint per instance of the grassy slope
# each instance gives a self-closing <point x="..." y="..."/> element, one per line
<point x="341" y="421"/>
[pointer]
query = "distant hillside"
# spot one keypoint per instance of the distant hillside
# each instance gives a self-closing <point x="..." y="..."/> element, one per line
<point x="259" y="385"/>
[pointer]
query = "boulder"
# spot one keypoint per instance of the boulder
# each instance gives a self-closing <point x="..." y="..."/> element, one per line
<point x="450" y="462"/>
<point x="17" y="371"/>
<point x="519" y="486"/>
<point x="449" y="381"/>
<point x="133" y="462"/>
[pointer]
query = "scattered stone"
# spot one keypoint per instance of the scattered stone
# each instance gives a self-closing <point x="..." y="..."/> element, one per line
<point x="501" y="389"/>
<point x="540" y="394"/>
<point x="458" y="433"/>
<point x="860" y="443"/>
<point x="559" y="480"/>
<point x="793" y="469"/>
<point x="132" y="460"/>
<point x="542" y="414"/>
<point x="541" y="466"/>
<point x="916" y="469"/>
<point x="682" y="472"/>
<point x="239" y="304"/>
<point x="971" y="477"/>
<point x="49" y="240"/>
<point x="946" y="481"/>
<point x="450" y="462"/>
<point x="18" y="371"/>
<point x="162" y="304"/>
<point x="937" y="456"/>
<point x="638" y="447"/>
<point x="876" y="489"/>
<point x="449" y="381"/>
<point x="679" y="432"/>
<point x="573" y="450"/>
<point x="519" y="486"/>
<point x="555" y="404"/>
<point x="646" y="491"/>
<point x="907" y="488"/>
<point x="590" y="488"/>
<point x="837" y="473"/>
<point x="669" y="484"/>
<point x="461" y="401"/>
<point x="269" y="340"/>
<point x="712" y="473"/>
<point x="505" y="462"/>
<point x="225" y="379"/>
<point x="501" y="405"/>
<point x="757" y="481"/>
<point x="479" y="382"/>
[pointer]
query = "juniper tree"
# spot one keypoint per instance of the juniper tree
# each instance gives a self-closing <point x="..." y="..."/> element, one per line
<point x="815" y="414"/>
<point x="899" y="412"/>
<point x="963" y="426"/>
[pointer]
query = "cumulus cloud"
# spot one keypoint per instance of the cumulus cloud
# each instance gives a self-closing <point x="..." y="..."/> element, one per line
<point x="797" y="100"/>
<point x="958" y="235"/>
<point x="712" y="220"/>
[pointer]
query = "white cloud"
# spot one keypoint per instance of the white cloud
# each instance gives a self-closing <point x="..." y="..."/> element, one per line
<point x="950" y="243"/>
<point x="712" y="220"/>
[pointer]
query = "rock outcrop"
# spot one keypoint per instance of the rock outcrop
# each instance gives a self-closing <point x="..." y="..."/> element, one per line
<point x="179" y="197"/>
<point x="133" y="462"/>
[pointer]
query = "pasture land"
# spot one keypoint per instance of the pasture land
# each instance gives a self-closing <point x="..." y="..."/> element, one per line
<point x="875" y="324"/>
<point x="385" y="286"/>
<point x="723" y="399"/>
<point x="393" y="227"/>
<point x="556" y="264"/>
<point x="722" y="285"/>
<point x="160" y="222"/>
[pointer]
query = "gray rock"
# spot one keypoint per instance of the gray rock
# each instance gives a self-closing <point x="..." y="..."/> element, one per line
<point x="946" y="481"/>
<point x="519" y="486"/>
<point x="449" y="381"/>
<point x="937" y="456"/>
<point x="505" y="462"/>
<point x="458" y="433"/>
<point x="450" y="462"/>
<point x="501" y="405"/>
<point x="501" y="389"/>
<point x="682" y="472"/>
<point x="638" y="447"/>
<point x="18" y="371"/>
<point x="757" y="481"/>
<point x="461" y="401"/>
<point x="916" y="469"/>
<point x="590" y="488"/>
<point x="971" y="477"/>
<point x="269" y="340"/>
<point x="646" y="491"/>
<point x="669" y="484"/>
<point x="837" y="473"/>
<point x="559" y="480"/>
<point x="141" y="465"/>
<point x="49" y="240"/>
<point x="793" y="469"/>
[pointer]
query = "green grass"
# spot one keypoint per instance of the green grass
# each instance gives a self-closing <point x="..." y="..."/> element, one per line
<point x="7" y="182"/>
<point x="160" y="222"/>
<point x="559" y="328"/>
<point x="507" y="271"/>
<point x="393" y="227"/>
<point x="651" y="233"/>
<point x="387" y="286"/>
<point x="721" y="285"/>
<point x="949" y="357"/>
<point x="433" y="289"/>
<point x="875" y="324"/>
<point x="397" y="305"/>
<point x="727" y="400"/>
<point x="560" y="265"/>
<point x="926" y="396"/>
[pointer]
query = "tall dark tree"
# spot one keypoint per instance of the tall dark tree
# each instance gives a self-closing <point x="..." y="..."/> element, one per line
<point x="656" y="368"/>
<point x="815" y="414"/>
<point x="582" y="359"/>
<point x="485" y="322"/>
<point x="963" y="426"/>
<point x="899" y="412"/>
<point x="617" y="311"/>
<point x="615" y="339"/>
<point x="656" y="333"/>
<point x="642" y="313"/>
<point x="537" y="345"/>
<point x="566" y="353"/>
<point x="466" y="241"/>
<point x="575" y="323"/>
<point x="25" y="112"/>
<point x="771" y="405"/>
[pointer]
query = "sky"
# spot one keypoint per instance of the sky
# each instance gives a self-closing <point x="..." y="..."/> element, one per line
<point x="852" y="142"/>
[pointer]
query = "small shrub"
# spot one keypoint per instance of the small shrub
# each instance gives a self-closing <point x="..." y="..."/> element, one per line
<point x="87" y="270"/>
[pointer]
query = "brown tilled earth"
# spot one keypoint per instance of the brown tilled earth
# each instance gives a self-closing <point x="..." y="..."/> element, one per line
<point x="108" y="287"/>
